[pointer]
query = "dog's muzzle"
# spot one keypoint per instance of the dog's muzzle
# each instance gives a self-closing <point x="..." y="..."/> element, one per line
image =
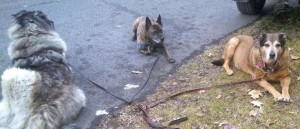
<point x="272" y="55"/>
<point x="158" y="41"/>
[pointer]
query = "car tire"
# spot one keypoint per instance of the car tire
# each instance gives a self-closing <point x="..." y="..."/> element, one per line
<point x="251" y="7"/>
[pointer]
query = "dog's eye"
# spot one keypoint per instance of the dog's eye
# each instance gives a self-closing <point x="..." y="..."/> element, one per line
<point x="267" y="45"/>
<point x="277" y="45"/>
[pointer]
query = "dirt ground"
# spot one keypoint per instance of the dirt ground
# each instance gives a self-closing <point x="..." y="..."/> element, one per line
<point x="224" y="107"/>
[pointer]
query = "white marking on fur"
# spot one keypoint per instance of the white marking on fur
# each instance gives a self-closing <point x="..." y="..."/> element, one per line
<point x="272" y="48"/>
<point x="276" y="49"/>
<point x="15" y="106"/>
<point x="157" y="41"/>
<point x="81" y="97"/>
<point x="5" y="111"/>
<point x="27" y="77"/>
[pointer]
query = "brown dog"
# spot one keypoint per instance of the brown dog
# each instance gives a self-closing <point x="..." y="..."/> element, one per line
<point x="268" y="60"/>
<point x="149" y="34"/>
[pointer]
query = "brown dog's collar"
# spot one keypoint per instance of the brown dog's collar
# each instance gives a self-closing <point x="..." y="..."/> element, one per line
<point x="260" y="64"/>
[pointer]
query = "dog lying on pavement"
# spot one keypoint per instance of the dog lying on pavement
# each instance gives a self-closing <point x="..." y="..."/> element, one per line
<point x="149" y="34"/>
<point x="268" y="59"/>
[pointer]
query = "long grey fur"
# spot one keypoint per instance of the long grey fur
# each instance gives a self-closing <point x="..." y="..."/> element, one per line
<point x="38" y="90"/>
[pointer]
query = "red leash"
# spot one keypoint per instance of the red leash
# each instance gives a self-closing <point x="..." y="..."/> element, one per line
<point x="145" y="110"/>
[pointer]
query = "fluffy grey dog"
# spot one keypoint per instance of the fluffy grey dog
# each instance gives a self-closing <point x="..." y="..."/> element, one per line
<point x="38" y="91"/>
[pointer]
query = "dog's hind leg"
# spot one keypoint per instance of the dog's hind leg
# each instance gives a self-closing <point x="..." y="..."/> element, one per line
<point x="5" y="112"/>
<point x="229" y="53"/>
<point x="17" y="85"/>
<point x="134" y="37"/>
<point x="59" y="111"/>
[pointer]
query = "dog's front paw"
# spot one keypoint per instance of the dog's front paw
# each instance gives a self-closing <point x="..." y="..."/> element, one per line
<point x="171" y="60"/>
<point x="134" y="38"/>
<point x="278" y="97"/>
<point x="286" y="98"/>
<point x="229" y="72"/>
<point x="285" y="95"/>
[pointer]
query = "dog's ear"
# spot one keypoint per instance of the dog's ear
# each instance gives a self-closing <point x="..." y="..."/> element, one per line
<point x="19" y="14"/>
<point x="148" y="23"/>
<point x="262" y="39"/>
<point x="282" y="39"/>
<point x="159" y="20"/>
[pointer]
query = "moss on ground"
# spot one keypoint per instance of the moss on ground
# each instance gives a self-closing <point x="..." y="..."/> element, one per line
<point x="217" y="107"/>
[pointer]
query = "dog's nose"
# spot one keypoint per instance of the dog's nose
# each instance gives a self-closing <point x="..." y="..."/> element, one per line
<point x="272" y="55"/>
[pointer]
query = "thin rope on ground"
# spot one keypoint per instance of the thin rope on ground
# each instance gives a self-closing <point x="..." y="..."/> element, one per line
<point x="113" y="94"/>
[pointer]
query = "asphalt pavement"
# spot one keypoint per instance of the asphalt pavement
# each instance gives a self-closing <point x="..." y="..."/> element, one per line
<point x="98" y="34"/>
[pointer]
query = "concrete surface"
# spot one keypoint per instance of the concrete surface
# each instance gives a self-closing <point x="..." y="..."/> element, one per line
<point x="98" y="34"/>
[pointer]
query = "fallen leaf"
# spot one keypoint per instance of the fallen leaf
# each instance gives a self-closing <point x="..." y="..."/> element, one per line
<point x="201" y="91"/>
<point x="221" y="123"/>
<point x="183" y="79"/>
<point x="174" y="83"/>
<point x="256" y="111"/>
<point x="101" y="112"/>
<point x="260" y="110"/>
<point x="197" y="127"/>
<point x="158" y="119"/>
<point x="130" y="86"/>
<point x="229" y="126"/>
<point x="293" y="112"/>
<point x="253" y="112"/>
<point x="293" y="57"/>
<point x="255" y="94"/>
<point x="256" y="103"/>
<point x="136" y="72"/>
<point x="199" y="114"/>
<point x="219" y="96"/>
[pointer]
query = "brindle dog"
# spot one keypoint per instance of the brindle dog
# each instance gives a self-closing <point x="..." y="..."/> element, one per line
<point x="149" y="34"/>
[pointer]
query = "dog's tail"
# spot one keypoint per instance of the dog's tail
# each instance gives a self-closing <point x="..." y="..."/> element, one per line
<point x="219" y="62"/>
